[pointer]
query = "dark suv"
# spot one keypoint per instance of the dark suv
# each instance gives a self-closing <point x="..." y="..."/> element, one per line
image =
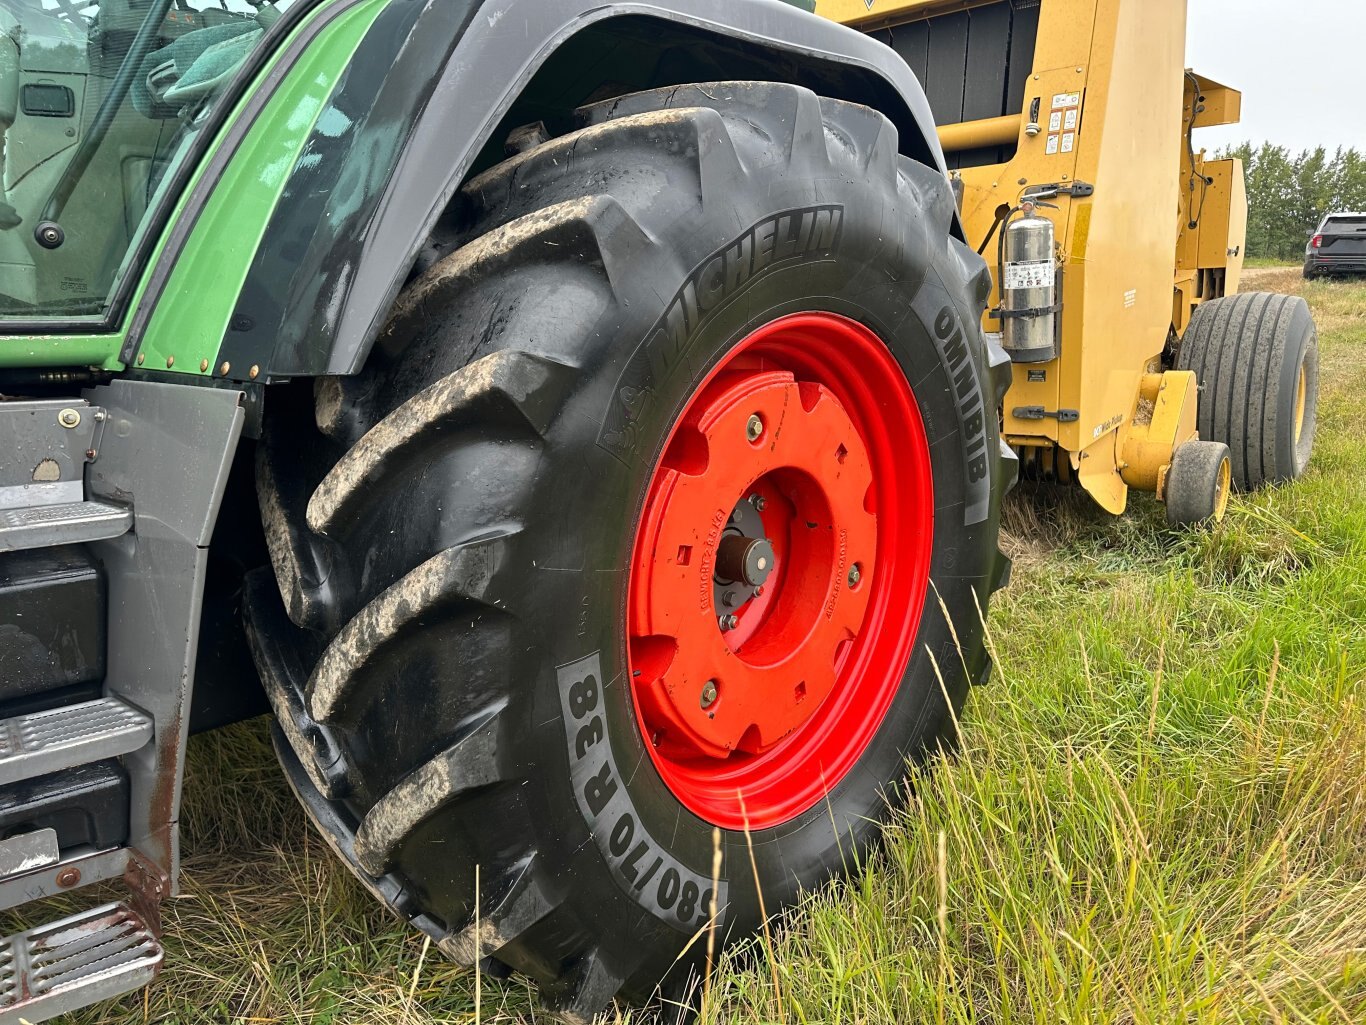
<point x="1338" y="246"/>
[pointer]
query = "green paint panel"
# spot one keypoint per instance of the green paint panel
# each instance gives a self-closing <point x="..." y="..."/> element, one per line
<point x="193" y="314"/>
<point x="61" y="351"/>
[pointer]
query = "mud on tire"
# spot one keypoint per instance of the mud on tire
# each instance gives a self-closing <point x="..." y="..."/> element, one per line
<point x="451" y="530"/>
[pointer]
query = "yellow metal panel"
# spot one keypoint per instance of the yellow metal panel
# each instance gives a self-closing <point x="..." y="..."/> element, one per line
<point x="1222" y="105"/>
<point x="1097" y="473"/>
<point x="862" y="12"/>
<point x="1163" y="418"/>
<point x="1130" y="142"/>
<point x="1237" y="227"/>
<point x="1223" y="220"/>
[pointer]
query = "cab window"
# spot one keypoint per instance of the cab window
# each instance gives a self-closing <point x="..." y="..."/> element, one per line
<point x="99" y="103"/>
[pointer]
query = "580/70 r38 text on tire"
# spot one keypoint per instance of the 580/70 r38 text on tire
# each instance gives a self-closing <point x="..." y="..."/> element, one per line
<point x="456" y="545"/>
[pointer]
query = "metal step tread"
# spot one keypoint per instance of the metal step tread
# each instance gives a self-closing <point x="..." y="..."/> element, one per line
<point x="78" y="961"/>
<point x="41" y="742"/>
<point x="41" y="526"/>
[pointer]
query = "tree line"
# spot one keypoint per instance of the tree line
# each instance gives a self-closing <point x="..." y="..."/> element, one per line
<point x="1289" y="193"/>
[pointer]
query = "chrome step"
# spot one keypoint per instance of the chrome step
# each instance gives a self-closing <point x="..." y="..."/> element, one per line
<point x="42" y="742"/>
<point x="78" y="961"/>
<point x="28" y="852"/>
<point x="42" y="526"/>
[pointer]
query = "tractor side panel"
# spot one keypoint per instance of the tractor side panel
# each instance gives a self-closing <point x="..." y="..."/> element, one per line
<point x="429" y="98"/>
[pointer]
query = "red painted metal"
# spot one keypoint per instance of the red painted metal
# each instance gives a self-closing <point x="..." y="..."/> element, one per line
<point x="805" y="677"/>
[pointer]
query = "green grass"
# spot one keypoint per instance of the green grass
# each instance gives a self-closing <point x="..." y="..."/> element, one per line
<point x="1264" y="263"/>
<point x="1159" y="815"/>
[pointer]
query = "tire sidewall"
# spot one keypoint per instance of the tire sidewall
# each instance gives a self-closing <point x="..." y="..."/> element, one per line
<point x="1301" y="350"/>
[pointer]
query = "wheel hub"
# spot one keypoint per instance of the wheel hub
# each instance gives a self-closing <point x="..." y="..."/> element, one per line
<point x="775" y="609"/>
<point x="759" y="587"/>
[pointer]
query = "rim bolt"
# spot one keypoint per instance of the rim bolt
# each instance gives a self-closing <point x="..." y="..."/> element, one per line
<point x="708" y="694"/>
<point x="855" y="574"/>
<point x="730" y="599"/>
<point x="758" y="502"/>
<point x="754" y="430"/>
<point x="728" y="622"/>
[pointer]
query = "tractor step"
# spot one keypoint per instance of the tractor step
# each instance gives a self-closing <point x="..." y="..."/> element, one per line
<point x="78" y="961"/>
<point x="42" y="526"/>
<point x="41" y="742"/>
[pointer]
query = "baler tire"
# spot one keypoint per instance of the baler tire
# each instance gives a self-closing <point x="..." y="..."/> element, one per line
<point x="1198" y="483"/>
<point x="453" y="539"/>
<point x="1256" y="358"/>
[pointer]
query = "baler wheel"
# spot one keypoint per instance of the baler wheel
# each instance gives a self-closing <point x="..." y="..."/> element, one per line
<point x="1198" y="483"/>
<point x="1256" y="357"/>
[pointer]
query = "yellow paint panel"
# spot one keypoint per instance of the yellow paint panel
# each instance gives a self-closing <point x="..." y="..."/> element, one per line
<point x="858" y="12"/>
<point x="1223" y="106"/>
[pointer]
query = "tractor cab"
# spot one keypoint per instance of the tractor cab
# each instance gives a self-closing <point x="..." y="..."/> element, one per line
<point x="99" y="104"/>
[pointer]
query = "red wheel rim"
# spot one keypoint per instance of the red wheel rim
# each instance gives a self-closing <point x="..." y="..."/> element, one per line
<point x="794" y="495"/>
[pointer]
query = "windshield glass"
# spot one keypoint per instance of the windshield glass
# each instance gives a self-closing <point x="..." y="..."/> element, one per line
<point x="99" y="102"/>
<point x="1345" y="225"/>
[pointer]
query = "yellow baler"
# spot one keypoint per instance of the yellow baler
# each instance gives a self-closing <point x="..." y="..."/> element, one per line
<point x="1071" y="122"/>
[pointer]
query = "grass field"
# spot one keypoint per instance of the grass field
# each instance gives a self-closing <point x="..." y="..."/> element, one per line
<point x="1159" y="815"/>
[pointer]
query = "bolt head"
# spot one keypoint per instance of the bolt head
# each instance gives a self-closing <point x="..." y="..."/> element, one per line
<point x="730" y="599"/>
<point x="758" y="502"/>
<point x="754" y="429"/>
<point x="728" y="622"/>
<point x="69" y="418"/>
<point x="855" y="574"/>
<point x="708" y="694"/>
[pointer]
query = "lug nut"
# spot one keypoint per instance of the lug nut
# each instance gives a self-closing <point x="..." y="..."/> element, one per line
<point x="758" y="502"/>
<point x="728" y="622"/>
<point x="708" y="694"/>
<point x="855" y="574"/>
<point x="754" y="430"/>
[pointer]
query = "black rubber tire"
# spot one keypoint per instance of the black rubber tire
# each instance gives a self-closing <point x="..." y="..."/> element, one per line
<point x="1247" y="352"/>
<point x="451" y="539"/>
<point x="1198" y="483"/>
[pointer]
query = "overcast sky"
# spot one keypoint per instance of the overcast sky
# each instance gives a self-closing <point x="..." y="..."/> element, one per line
<point x="1301" y="65"/>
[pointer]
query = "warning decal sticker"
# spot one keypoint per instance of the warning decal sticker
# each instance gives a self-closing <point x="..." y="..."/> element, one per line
<point x="1033" y="274"/>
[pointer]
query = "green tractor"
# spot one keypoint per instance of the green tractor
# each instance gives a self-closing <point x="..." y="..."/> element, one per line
<point x="574" y="413"/>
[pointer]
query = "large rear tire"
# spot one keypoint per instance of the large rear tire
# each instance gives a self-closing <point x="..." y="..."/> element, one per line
<point x="479" y="542"/>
